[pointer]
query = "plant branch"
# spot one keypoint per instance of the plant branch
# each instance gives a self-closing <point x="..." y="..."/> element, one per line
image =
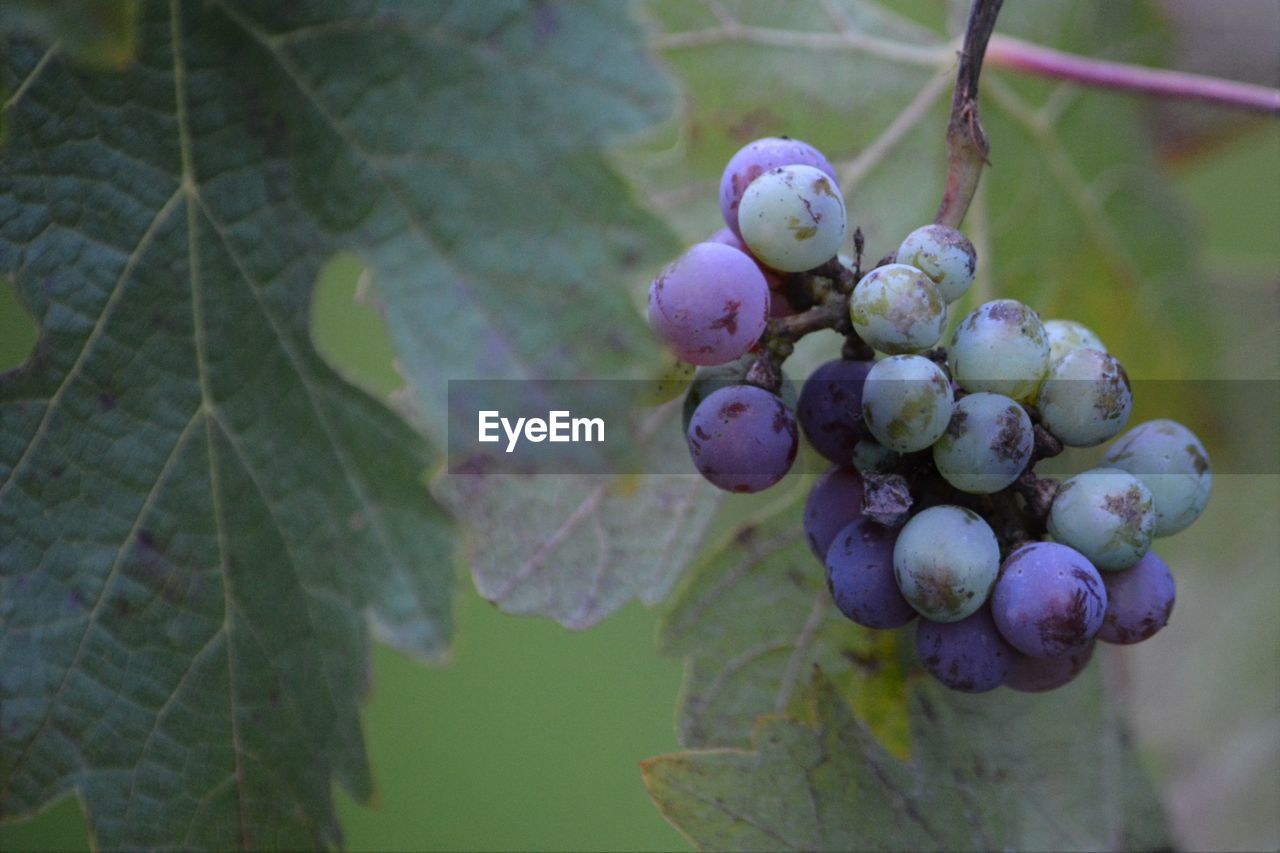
<point x="967" y="146"/>
<point x="1017" y="55"/>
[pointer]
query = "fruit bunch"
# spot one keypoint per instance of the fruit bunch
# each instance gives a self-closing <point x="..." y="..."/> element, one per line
<point x="932" y="508"/>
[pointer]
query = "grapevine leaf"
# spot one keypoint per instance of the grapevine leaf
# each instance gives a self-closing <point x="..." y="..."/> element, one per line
<point x="975" y="779"/>
<point x="97" y="32"/>
<point x="1071" y="219"/>
<point x="752" y="619"/>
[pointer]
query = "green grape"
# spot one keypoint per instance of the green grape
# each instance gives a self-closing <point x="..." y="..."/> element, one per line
<point x="896" y="309"/>
<point x="945" y="561"/>
<point x="1106" y="514"/>
<point x="872" y="456"/>
<point x="793" y="218"/>
<point x="907" y="402"/>
<point x="945" y="255"/>
<point x="1000" y="347"/>
<point x="1086" y="398"/>
<point x="1068" y="335"/>
<point x="987" y="444"/>
<point x="1169" y="459"/>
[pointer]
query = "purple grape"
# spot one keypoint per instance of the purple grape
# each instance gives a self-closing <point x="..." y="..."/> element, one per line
<point x="756" y="158"/>
<point x="969" y="655"/>
<point x="830" y="408"/>
<point x="711" y="305"/>
<point x="834" y="502"/>
<point x="743" y="439"/>
<point x="860" y="576"/>
<point x="1037" y="675"/>
<point x="1139" y="601"/>
<point x="1048" y="600"/>
<point x="773" y="278"/>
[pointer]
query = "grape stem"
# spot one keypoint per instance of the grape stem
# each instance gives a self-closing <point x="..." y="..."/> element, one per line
<point x="1023" y="56"/>
<point x="967" y="146"/>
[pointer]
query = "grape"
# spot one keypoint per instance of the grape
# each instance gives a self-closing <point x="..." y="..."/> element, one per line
<point x="1000" y="347"/>
<point x="897" y="309"/>
<point x="969" y="655"/>
<point x="1107" y="515"/>
<point x="1139" y="601"/>
<point x="753" y="160"/>
<point x="1171" y="462"/>
<point x="945" y="255"/>
<point x="742" y="438"/>
<point x="860" y="576"/>
<point x="779" y="305"/>
<point x="792" y="218"/>
<point x="830" y="408"/>
<point x="907" y="402"/>
<point x="669" y="379"/>
<point x="1038" y="675"/>
<point x="1068" y="335"/>
<point x="773" y="278"/>
<point x="711" y="305"/>
<point x="709" y="379"/>
<point x="987" y="444"/>
<point x="834" y="502"/>
<point x="1049" y="600"/>
<point x="1085" y="399"/>
<point x="945" y="561"/>
<point x="871" y="455"/>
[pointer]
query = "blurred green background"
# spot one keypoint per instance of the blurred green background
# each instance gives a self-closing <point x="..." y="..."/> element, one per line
<point x="530" y="739"/>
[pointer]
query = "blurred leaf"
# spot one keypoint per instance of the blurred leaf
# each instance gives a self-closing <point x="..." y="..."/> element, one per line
<point x="752" y="619"/>
<point x="1073" y="216"/>
<point x="977" y="780"/>
<point x="576" y="548"/>
<point x="95" y="32"/>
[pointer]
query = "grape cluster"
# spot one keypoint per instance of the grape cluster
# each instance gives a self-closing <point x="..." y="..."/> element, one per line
<point x="932" y="507"/>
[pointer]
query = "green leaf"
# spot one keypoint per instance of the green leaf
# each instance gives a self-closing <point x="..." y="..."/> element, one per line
<point x="976" y="779"/>
<point x="752" y="619"/>
<point x="576" y="548"/>
<point x="103" y="33"/>
<point x="1070" y="218"/>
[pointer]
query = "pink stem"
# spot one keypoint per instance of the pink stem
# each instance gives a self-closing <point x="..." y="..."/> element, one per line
<point x="1018" y="55"/>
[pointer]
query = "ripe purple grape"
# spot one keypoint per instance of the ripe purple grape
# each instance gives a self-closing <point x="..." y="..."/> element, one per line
<point x="1139" y="601"/>
<point x="860" y="576"/>
<point x="773" y="278"/>
<point x="1038" y="675"/>
<point x="711" y="305"/>
<point x="970" y="655"/>
<point x="742" y="438"/>
<point x="830" y="408"/>
<point x="1048" y="600"/>
<point x="834" y="502"/>
<point x="754" y="159"/>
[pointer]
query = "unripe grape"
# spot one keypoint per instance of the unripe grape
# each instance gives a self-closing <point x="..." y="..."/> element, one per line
<point x="970" y="655"/>
<point x="896" y="309"/>
<point x="834" y="502"/>
<point x="1039" y="675"/>
<point x="1107" y="515"/>
<point x="986" y="445"/>
<point x="871" y="455"/>
<point x="754" y="159"/>
<point x="793" y="218"/>
<point x="1049" y="600"/>
<point x="711" y="305"/>
<point x="830" y="408"/>
<point x="945" y="255"/>
<point x="1139" y="601"/>
<point x="945" y="562"/>
<point x="907" y="402"/>
<point x="1068" y="335"/>
<point x="742" y="438"/>
<point x="1171" y="462"/>
<point x="860" y="576"/>
<point x="1085" y="399"/>
<point x="670" y="378"/>
<point x="1000" y="347"/>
